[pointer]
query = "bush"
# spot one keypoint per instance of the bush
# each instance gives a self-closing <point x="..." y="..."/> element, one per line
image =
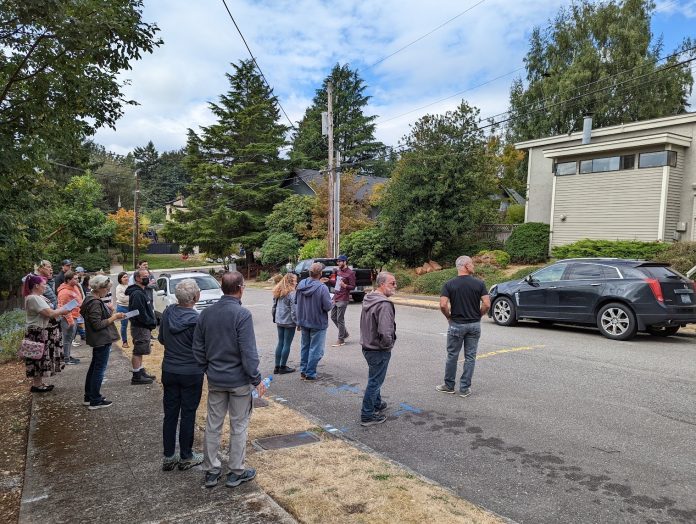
<point x="263" y="276"/>
<point x="611" y="248"/>
<point x="529" y="243"/>
<point x="500" y="258"/>
<point x="279" y="248"/>
<point x="521" y="273"/>
<point x="11" y="333"/>
<point x="403" y="277"/>
<point x="514" y="214"/>
<point x="365" y="248"/>
<point x="314" y="248"/>
<point x="95" y="261"/>
<point x="431" y="283"/>
<point x="489" y="274"/>
<point x="682" y="256"/>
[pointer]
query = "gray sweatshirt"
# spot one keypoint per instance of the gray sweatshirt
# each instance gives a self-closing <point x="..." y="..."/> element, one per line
<point x="377" y="325"/>
<point x="225" y="346"/>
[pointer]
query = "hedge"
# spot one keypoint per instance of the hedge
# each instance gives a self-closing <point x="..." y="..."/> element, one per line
<point x="529" y="243"/>
<point x="431" y="283"/>
<point x="588" y="248"/>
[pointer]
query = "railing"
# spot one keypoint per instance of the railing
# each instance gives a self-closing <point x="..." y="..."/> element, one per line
<point x="495" y="232"/>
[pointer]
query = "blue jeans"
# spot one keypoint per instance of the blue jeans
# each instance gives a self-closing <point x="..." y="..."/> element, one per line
<point x="95" y="374"/>
<point x="68" y="333"/>
<point x="468" y="335"/>
<point x="311" y="350"/>
<point x="285" y="336"/>
<point x="124" y="323"/>
<point x="182" y="394"/>
<point x="377" y="363"/>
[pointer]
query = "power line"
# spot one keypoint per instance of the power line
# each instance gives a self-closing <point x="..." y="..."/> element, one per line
<point x="292" y="126"/>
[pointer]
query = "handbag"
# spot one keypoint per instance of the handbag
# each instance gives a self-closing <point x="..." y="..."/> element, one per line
<point x="31" y="349"/>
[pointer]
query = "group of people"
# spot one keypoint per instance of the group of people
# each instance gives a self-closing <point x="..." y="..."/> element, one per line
<point x="220" y="343"/>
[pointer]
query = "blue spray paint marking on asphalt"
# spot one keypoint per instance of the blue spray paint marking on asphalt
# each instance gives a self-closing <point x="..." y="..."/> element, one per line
<point x="340" y="389"/>
<point x="405" y="408"/>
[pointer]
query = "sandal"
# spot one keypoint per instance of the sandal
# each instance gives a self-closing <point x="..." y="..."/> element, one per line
<point x="42" y="388"/>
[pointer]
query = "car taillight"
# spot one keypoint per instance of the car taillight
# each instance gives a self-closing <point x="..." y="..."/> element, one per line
<point x="693" y="284"/>
<point x="332" y="279"/>
<point x="656" y="289"/>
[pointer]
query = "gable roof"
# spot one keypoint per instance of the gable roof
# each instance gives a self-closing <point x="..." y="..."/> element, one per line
<point x="312" y="176"/>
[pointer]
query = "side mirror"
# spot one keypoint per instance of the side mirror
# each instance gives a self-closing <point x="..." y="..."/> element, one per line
<point x="160" y="292"/>
<point x="529" y="279"/>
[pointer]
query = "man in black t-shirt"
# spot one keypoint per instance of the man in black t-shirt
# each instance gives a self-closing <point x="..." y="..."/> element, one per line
<point x="463" y="301"/>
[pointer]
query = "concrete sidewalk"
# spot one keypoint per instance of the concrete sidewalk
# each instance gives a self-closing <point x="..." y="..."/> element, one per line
<point x="105" y="465"/>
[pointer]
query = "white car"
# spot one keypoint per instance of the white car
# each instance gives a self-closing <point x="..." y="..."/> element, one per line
<point x="166" y="284"/>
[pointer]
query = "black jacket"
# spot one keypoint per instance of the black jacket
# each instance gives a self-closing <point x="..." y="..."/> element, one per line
<point x="141" y="301"/>
<point x="176" y="335"/>
<point x="96" y="314"/>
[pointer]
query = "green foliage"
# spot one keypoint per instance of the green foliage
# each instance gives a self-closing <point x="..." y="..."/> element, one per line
<point x="366" y="248"/>
<point x="263" y="276"/>
<point x="11" y="333"/>
<point x="353" y="131"/>
<point x="500" y="258"/>
<point x="293" y="215"/>
<point x="314" y="248"/>
<point x="93" y="261"/>
<point x="682" y="255"/>
<point x="173" y="261"/>
<point x="403" y="278"/>
<point x="440" y="188"/>
<point x="489" y="274"/>
<point x="610" y="248"/>
<point x="157" y="216"/>
<point x="279" y="248"/>
<point x="529" y="243"/>
<point x="514" y="214"/>
<point x="606" y="45"/>
<point x="236" y="170"/>
<point x="431" y="283"/>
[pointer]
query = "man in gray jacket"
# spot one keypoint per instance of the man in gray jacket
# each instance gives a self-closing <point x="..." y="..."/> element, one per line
<point x="377" y="337"/>
<point x="225" y="345"/>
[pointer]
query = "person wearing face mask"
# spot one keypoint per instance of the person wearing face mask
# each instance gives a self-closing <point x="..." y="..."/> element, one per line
<point x="140" y="300"/>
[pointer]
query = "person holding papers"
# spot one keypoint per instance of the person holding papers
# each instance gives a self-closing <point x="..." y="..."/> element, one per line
<point x="345" y="283"/>
<point x="101" y="333"/>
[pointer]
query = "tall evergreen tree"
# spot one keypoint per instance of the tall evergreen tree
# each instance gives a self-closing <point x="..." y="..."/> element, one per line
<point x="579" y="56"/>
<point x="354" y="132"/>
<point x="236" y="169"/>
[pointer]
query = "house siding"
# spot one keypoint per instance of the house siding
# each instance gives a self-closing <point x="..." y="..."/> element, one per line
<point x="624" y="204"/>
<point x="673" y="212"/>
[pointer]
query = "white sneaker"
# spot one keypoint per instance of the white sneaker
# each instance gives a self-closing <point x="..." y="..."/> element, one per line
<point x="76" y="344"/>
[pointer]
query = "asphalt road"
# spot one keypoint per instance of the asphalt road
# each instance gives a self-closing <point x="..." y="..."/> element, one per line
<point x="562" y="425"/>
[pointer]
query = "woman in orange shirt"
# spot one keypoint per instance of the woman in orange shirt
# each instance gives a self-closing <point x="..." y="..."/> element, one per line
<point x="69" y="290"/>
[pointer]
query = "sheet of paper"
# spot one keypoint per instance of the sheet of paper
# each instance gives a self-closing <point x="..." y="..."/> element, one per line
<point x="337" y="287"/>
<point x="132" y="314"/>
<point x="71" y="305"/>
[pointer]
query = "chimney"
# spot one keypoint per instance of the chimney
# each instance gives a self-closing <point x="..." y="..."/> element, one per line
<point x="587" y="129"/>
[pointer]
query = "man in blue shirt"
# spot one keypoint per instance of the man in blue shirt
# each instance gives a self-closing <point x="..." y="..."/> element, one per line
<point x="313" y="306"/>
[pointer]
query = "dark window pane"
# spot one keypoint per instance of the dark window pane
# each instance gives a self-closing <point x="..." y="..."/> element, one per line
<point x="611" y="272"/>
<point x="566" y="168"/>
<point x="672" y="158"/>
<point x="550" y="273"/>
<point x="585" y="272"/>
<point x="628" y="161"/>
<point x="605" y="164"/>
<point x="660" y="272"/>
<point x="586" y="166"/>
<point x="658" y="159"/>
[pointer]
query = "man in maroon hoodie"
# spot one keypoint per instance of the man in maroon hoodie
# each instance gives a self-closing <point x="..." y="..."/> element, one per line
<point x="345" y="283"/>
<point x="377" y="337"/>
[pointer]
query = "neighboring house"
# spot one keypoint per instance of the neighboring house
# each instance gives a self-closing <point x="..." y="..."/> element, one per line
<point x="300" y="181"/>
<point x="507" y="197"/>
<point x="632" y="181"/>
<point x="174" y="206"/>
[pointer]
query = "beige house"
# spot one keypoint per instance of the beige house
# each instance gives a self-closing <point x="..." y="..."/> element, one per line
<point x="628" y="182"/>
<point x="174" y="206"/>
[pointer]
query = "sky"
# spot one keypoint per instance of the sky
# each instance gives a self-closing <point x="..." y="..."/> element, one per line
<point x="471" y="49"/>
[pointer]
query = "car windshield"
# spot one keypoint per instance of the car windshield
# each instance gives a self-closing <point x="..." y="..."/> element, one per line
<point x="204" y="282"/>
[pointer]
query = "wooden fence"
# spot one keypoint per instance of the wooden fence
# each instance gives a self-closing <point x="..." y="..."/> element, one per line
<point x="495" y="232"/>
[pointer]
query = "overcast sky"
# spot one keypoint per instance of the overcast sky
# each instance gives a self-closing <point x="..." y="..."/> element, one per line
<point x="297" y="42"/>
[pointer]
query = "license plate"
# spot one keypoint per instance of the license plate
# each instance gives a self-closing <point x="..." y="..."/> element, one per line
<point x="686" y="299"/>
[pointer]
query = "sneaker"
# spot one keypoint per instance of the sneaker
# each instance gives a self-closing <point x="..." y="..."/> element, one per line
<point x="72" y="361"/>
<point x="381" y="407"/>
<point x="444" y="389"/>
<point x="234" y="480"/>
<point x="140" y="378"/>
<point x="102" y="404"/>
<point x="276" y="370"/>
<point x="338" y="343"/>
<point x="307" y="377"/>
<point x="76" y="344"/>
<point x="193" y="460"/>
<point x="211" y="478"/>
<point x="146" y="374"/>
<point x="170" y="463"/>
<point x="303" y="376"/>
<point x="373" y="421"/>
<point x="284" y="370"/>
<point x="465" y="393"/>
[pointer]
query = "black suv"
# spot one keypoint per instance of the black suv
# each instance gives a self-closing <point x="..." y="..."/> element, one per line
<point x="619" y="296"/>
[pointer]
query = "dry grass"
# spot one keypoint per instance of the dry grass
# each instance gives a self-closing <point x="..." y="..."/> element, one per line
<point x="332" y="481"/>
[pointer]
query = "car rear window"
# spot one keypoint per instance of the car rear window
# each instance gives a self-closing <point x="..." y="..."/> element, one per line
<point x="660" y="272"/>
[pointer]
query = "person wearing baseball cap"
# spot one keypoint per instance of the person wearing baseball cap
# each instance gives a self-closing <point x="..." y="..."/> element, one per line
<point x="65" y="266"/>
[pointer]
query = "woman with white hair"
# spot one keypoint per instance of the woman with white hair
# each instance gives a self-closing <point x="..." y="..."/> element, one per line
<point x="101" y="333"/>
<point x="182" y="377"/>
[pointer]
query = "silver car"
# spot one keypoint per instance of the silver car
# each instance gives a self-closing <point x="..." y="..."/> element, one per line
<point x="166" y="283"/>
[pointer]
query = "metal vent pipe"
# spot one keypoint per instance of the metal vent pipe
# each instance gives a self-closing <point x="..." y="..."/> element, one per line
<point x="586" y="129"/>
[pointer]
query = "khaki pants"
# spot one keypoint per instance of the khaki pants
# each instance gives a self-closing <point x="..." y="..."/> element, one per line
<point x="237" y="402"/>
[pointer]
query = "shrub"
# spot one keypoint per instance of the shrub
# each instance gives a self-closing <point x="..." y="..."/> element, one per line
<point x="529" y="243"/>
<point x="366" y="248"/>
<point x="403" y="277"/>
<point x="500" y="258"/>
<point x="431" y="283"/>
<point x="93" y="261"/>
<point x="279" y="248"/>
<point x="610" y="248"/>
<point x="682" y="256"/>
<point x="314" y="248"/>
<point x="263" y="276"/>
<point x="11" y="333"/>
<point x="521" y="273"/>
<point x="514" y="214"/>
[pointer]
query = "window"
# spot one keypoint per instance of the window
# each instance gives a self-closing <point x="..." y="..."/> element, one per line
<point x="611" y="163"/>
<point x="550" y="274"/>
<point x="611" y="272"/>
<point x="657" y="159"/>
<point x="566" y="168"/>
<point x="585" y="272"/>
<point x="204" y="282"/>
<point x="162" y="284"/>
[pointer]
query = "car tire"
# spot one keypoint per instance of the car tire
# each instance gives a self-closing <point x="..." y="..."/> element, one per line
<point x="617" y="321"/>
<point x="358" y="297"/>
<point x="504" y="312"/>
<point x="662" y="331"/>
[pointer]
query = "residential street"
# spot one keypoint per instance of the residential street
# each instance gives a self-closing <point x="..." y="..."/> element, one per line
<point x="563" y="425"/>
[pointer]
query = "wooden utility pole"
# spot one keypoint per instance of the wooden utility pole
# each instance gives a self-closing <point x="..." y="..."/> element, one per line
<point x="136" y="221"/>
<point x="331" y="174"/>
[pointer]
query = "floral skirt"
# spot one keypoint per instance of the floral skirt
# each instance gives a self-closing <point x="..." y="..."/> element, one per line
<point x="52" y="361"/>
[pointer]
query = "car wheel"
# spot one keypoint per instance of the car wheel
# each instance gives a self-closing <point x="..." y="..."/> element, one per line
<point x="617" y="321"/>
<point x="358" y="297"/>
<point x="663" y="331"/>
<point x="504" y="313"/>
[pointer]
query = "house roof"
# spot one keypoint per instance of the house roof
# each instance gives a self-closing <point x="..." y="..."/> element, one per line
<point x="643" y="125"/>
<point x="309" y="176"/>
